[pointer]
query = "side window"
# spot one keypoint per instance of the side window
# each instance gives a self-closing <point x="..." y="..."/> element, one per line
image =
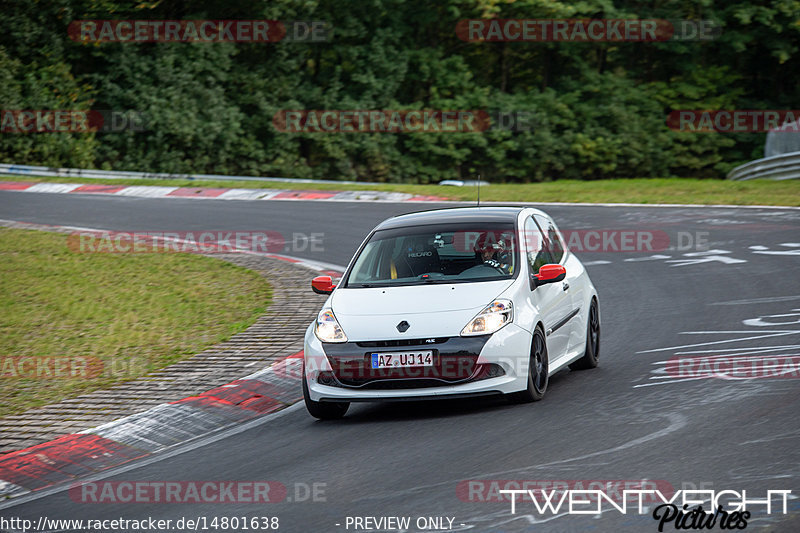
<point x="537" y="249"/>
<point x="553" y="240"/>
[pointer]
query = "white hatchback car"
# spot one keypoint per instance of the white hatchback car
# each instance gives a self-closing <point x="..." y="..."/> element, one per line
<point x="451" y="303"/>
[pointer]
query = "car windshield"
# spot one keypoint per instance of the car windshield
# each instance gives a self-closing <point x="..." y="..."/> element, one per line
<point x="436" y="254"/>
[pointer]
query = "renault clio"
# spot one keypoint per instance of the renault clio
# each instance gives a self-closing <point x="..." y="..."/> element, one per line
<point x="451" y="303"/>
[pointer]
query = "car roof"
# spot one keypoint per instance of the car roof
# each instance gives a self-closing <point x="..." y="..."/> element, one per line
<point x="453" y="215"/>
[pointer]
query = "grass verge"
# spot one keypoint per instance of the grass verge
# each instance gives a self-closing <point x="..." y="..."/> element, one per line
<point x="640" y="191"/>
<point x="75" y="322"/>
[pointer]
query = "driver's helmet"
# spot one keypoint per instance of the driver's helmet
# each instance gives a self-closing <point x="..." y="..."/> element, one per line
<point x="489" y="242"/>
<point x="497" y="247"/>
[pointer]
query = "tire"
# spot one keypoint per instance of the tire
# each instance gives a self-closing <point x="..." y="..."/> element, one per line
<point x="537" y="371"/>
<point x="323" y="410"/>
<point x="590" y="356"/>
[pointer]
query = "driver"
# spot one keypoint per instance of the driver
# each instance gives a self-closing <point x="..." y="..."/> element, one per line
<point x="494" y="252"/>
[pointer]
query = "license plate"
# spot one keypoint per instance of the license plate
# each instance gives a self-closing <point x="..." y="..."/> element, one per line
<point x="402" y="359"/>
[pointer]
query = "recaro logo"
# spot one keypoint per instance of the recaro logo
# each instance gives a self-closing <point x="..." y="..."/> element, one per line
<point x="420" y="254"/>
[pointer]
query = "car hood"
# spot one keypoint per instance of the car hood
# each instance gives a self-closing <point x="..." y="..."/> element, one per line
<point x="431" y="310"/>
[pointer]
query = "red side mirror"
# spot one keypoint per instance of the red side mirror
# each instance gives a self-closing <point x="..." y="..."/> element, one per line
<point x="550" y="274"/>
<point x="322" y="285"/>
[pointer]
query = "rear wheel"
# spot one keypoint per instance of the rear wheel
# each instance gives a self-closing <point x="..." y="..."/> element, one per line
<point x="323" y="410"/>
<point x="590" y="356"/>
<point x="537" y="371"/>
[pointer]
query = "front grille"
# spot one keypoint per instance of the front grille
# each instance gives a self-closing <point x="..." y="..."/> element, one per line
<point x="401" y="342"/>
<point x="482" y="371"/>
<point x="454" y="361"/>
<point x="396" y="384"/>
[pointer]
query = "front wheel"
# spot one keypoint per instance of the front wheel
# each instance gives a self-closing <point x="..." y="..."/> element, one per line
<point x="590" y="356"/>
<point x="538" y="369"/>
<point x="323" y="410"/>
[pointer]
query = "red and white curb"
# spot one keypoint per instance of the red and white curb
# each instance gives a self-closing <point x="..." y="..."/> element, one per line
<point x="166" y="425"/>
<point x="78" y="455"/>
<point x="207" y="193"/>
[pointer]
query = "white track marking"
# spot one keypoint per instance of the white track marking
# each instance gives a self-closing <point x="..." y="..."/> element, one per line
<point x="743" y="350"/>
<point x="789" y="435"/>
<point x="759" y="322"/>
<point x="648" y="258"/>
<point x="738" y="356"/>
<point x="668" y="382"/>
<point x="677" y="422"/>
<point x="780" y="334"/>
<point x="737" y="331"/>
<point x="741" y="354"/>
<point x="759" y="300"/>
<point x="695" y="258"/>
<point x="795" y="251"/>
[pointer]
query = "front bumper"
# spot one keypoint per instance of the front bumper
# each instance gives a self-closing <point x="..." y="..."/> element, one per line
<point x="461" y="368"/>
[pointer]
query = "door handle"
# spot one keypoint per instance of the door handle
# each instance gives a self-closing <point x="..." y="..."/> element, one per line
<point x="565" y="286"/>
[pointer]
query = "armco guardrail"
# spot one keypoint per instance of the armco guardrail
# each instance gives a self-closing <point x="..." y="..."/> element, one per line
<point x="777" y="167"/>
<point x="53" y="172"/>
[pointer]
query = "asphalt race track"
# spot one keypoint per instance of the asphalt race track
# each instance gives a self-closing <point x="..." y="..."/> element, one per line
<point x="635" y="417"/>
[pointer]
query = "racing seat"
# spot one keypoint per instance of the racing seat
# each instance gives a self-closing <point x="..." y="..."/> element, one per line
<point x="417" y="258"/>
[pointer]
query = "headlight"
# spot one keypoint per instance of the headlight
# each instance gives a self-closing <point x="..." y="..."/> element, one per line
<point x="496" y="315"/>
<point x="328" y="329"/>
